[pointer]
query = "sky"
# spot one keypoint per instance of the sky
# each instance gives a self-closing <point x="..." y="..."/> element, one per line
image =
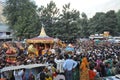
<point x="90" y="7"/>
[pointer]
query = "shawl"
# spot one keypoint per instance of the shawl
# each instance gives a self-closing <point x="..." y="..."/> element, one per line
<point x="84" y="64"/>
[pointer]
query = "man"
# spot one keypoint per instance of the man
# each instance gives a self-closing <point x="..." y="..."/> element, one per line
<point x="18" y="74"/>
<point x="41" y="75"/>
<point x="59" y="61"/>
<point x="68" y="66"/>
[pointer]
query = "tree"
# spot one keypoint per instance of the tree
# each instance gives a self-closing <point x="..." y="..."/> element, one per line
<point x="69" y="27"/>
<point x="96" y="23"/>
<point x="110" y="22"/>
<point x="84" y="25"/>
<point x="118" y="18"/>
<point x="48" y="17"/>
<point x="22" y="17"/>
<point x="103" y="22"/>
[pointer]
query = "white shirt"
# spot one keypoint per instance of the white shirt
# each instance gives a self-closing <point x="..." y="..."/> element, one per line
<point x="58" y="77"/>
<point x="52" y="51"/>
<point x="18" y="75"/>
<point x="59" y="64"/>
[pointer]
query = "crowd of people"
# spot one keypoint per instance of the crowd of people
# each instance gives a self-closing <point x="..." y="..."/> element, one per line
<point x="88" y="61"/>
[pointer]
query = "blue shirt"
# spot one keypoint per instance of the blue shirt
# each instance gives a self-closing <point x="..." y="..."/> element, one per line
<point x="69" y="64"/>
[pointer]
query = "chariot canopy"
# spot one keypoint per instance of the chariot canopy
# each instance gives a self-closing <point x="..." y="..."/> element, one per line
<point x="42" y="38"/>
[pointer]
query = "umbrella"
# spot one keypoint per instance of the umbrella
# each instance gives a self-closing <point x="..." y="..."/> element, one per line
<point x="69" y="48"/>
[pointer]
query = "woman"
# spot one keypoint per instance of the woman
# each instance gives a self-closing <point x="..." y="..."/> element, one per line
<point x="84" y="73"/>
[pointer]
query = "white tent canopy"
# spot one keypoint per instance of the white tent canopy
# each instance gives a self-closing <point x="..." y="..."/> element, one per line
<point x="22" y="67"/>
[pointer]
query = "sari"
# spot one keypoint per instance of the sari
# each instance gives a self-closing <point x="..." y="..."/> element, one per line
<point x="84" y="73"/>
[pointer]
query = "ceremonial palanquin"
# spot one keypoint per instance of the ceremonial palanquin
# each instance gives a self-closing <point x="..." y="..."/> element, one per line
<point x="40" y="44"/>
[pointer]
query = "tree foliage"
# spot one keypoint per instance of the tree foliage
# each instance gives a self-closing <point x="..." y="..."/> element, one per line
<point x="103" y="22"/>
<point x="96" y="23"/>
<point x="26" y="20"/>
<point x="68" y="23"/>
<point x="118" y="21"/>
<point x="48" y="17"/>
<point x="22" y="17"/>
<point x="84" y="25"/>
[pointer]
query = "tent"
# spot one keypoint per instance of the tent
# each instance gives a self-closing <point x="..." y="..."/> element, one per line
<point x="22" y="67"/>
<point x="42" y="38"/>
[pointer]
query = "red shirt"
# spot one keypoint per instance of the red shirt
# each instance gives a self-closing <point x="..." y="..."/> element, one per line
<point x="92" y="75"/>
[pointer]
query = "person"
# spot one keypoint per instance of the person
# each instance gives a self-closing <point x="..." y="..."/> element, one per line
<point x="92" y="74"/>
<point x="84" y="74"/>
<point x="18" y="74"/>
<point x="59" y="77"/>
<point x="68" y="67"/>
<point x="24" y="76"/>
<point x="59" y="61"/>
<point x="41" y="75"/>
<point x="98" y="67"/>
<point x="76" y="70"/>
<point x="31" y="76"/>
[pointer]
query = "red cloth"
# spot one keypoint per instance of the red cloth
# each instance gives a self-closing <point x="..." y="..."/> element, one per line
<point x="92" y="75"/>
<point x="9" y="51"/>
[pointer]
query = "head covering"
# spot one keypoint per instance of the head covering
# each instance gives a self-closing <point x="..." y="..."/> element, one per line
<point x="84" y="64"/>
<point x="84" y="60"/>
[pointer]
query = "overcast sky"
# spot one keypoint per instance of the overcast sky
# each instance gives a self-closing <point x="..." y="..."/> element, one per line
<point x="90" y="7"/>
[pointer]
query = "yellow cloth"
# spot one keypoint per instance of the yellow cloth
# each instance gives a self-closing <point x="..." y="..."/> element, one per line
<point x="49" y="78"/>
<point x="43" y="52"/>
<point x="84" y="75"/>
<point x="33" y="50"/>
